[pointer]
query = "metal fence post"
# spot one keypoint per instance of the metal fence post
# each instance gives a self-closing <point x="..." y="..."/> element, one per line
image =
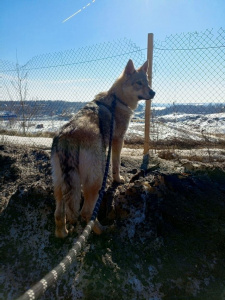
<point x="148" y="102"/>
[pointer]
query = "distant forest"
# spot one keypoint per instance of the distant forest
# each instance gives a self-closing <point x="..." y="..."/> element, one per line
<point x="65" y="108"/>
<point x="210" y="108"/>
<point x="41" y="107"/>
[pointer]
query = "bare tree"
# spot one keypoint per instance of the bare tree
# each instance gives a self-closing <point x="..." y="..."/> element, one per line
<point x="20" y="87"/>
<point x="20" y="93"/>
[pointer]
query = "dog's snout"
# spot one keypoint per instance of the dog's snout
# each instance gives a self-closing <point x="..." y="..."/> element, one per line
<point x="152" y="94"/>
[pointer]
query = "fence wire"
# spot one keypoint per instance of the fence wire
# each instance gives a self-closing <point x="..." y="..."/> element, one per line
<point x="190" y="83"/>
<point x="42" y="95"/>
<point x="188" y="76"/>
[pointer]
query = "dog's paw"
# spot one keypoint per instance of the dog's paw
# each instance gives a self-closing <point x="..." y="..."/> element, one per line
<point x="70" y="229"/>
<point x="119" y="179"/>
<point x="98" y="228"/>
<point x="61" y="233"/>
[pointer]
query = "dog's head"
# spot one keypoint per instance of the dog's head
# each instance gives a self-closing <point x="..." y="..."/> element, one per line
<point x="135" y="85"/>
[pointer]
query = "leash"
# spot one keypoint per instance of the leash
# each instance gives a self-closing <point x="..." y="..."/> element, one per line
<point x="51" y="278"/>
<point x="102" y="190"/>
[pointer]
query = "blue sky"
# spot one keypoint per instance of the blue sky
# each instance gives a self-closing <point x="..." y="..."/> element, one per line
<point x="33" y="27"/>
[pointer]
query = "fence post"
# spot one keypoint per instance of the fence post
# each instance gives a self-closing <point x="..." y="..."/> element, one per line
<point x="148" y="102"/>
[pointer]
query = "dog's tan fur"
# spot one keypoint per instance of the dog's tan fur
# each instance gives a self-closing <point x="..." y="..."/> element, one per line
<point x="78" y="151"/>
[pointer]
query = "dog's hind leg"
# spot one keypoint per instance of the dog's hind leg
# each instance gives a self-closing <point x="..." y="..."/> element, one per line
<point x="91" y="171"/>
<point x="91" y="193"/>
<point x="67" y="195"/>
<point x="60" y="215"/>
<point x="67" y="204"/>
<point x="73" y="198"/>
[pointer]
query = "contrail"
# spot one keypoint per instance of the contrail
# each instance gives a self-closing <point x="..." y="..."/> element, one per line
<point x="78" y="11"/>
<point x="72" y="16"/>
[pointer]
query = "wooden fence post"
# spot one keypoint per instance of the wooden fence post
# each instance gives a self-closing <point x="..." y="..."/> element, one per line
<point x="148" y="102"/>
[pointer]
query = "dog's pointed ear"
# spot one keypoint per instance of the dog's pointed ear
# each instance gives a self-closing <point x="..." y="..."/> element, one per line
<point x="144" y="67"/>
<point x="129" y="68"/>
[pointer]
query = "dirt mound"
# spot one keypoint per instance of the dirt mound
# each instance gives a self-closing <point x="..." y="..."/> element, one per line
<point x="165" y="237"/>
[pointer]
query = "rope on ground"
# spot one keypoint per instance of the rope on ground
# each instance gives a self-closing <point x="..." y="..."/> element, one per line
<point x="48" y="280"/>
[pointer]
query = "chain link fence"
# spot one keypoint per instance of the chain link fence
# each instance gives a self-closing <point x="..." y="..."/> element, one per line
<point x="189" y="78"/>
<point x="42" y="95"/>
<point x="188" y="111"/>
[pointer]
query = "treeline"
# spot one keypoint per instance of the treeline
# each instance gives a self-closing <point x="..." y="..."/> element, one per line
<point x="208" y="108"/>
<point x="41" y="108"/>
<point x="65" y="108"/>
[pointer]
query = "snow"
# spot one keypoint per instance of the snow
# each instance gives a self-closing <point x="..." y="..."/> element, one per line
<point x="208" y="122"/>
<point x="27" y="141"/>
<point x="199" y="127"/>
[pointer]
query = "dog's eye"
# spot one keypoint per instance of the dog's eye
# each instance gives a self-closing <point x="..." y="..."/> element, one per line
<point x="139" y="83"/>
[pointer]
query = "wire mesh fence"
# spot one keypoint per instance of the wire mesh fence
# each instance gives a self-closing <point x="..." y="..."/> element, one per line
<point x="190" y="83"/>
<point x="42" y="95"/>
<point x="188" y="77"/>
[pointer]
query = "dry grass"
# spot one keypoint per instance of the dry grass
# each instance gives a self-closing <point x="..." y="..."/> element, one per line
<point x="138" y="142"/>
<point x="16" y="133"/>
<point x="174" y="143"/>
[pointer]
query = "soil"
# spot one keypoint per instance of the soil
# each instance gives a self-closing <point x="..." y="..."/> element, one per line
<point x="165" y="236"/>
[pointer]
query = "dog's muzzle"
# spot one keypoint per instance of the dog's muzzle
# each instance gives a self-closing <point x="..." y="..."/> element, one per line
<point x="151" y="94"/>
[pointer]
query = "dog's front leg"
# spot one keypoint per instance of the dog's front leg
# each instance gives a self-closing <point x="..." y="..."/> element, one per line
<point x="117" y="145"/>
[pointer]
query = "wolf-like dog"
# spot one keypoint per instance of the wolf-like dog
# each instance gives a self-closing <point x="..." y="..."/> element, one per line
<point x="78" y="154"/>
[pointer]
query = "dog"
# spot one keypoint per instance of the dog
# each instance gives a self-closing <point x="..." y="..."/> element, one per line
<point x="78" y="154"/>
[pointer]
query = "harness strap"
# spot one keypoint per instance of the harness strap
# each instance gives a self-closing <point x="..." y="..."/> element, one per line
<point x="102" y="190"/>
<point x="119" y="100"/>
<point x="110" y="108"/>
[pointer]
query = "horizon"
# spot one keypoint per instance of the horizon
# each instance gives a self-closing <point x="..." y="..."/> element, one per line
<point x="141" y="102"/>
